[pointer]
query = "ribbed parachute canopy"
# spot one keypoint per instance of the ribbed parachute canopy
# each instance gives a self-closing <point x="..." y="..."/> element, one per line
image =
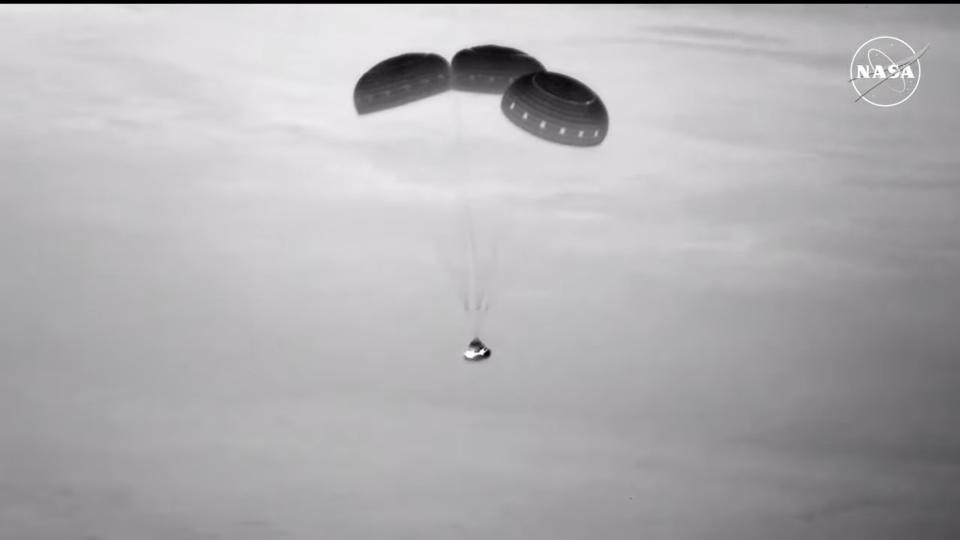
<point x="491" y="68"/>
<point x="401" y="80"/>
<point x="556" y="108"/>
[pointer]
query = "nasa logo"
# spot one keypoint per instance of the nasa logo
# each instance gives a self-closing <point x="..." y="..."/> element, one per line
<point x="885" y="71"/>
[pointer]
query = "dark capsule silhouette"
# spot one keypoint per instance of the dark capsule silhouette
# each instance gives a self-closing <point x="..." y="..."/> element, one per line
<point x="556" y="108"/>
<point x="490" y="68"/>
<point x="400" y="80"/>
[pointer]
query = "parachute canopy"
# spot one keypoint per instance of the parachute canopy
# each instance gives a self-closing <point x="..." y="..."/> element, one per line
<point x="557" y="108"/>
<point x="548" y="105"/>
<point x="401" y="80"/>
<point x="490" y="68"/>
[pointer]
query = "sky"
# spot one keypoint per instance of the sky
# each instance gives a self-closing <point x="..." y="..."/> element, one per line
<point x="226" y="311"/>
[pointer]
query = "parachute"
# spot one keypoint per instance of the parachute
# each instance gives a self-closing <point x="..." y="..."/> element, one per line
<point x="400" y="80"/>
<point x="490" y="69"/>
<point x="557" y="108"/>
<point x="549" y="106"/>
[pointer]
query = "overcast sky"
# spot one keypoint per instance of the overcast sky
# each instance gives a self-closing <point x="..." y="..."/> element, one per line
<point x="224" y="313"/>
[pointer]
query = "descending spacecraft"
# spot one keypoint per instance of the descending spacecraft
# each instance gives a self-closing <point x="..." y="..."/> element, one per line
<point x="476" y="351"/>
<point x="546" y="104"/>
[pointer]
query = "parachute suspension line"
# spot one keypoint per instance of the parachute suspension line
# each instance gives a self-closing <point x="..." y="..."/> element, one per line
<point x="477" y="292"/>
<point x="475" y="287"/>
<point x="486" y="278"/>
<point x="454" y="273"/>
<point x="464" y="284"/>
<point x="456" y="266"/>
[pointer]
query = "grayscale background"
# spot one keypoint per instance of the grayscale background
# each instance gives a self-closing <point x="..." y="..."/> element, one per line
<point x="222" y="315"/>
